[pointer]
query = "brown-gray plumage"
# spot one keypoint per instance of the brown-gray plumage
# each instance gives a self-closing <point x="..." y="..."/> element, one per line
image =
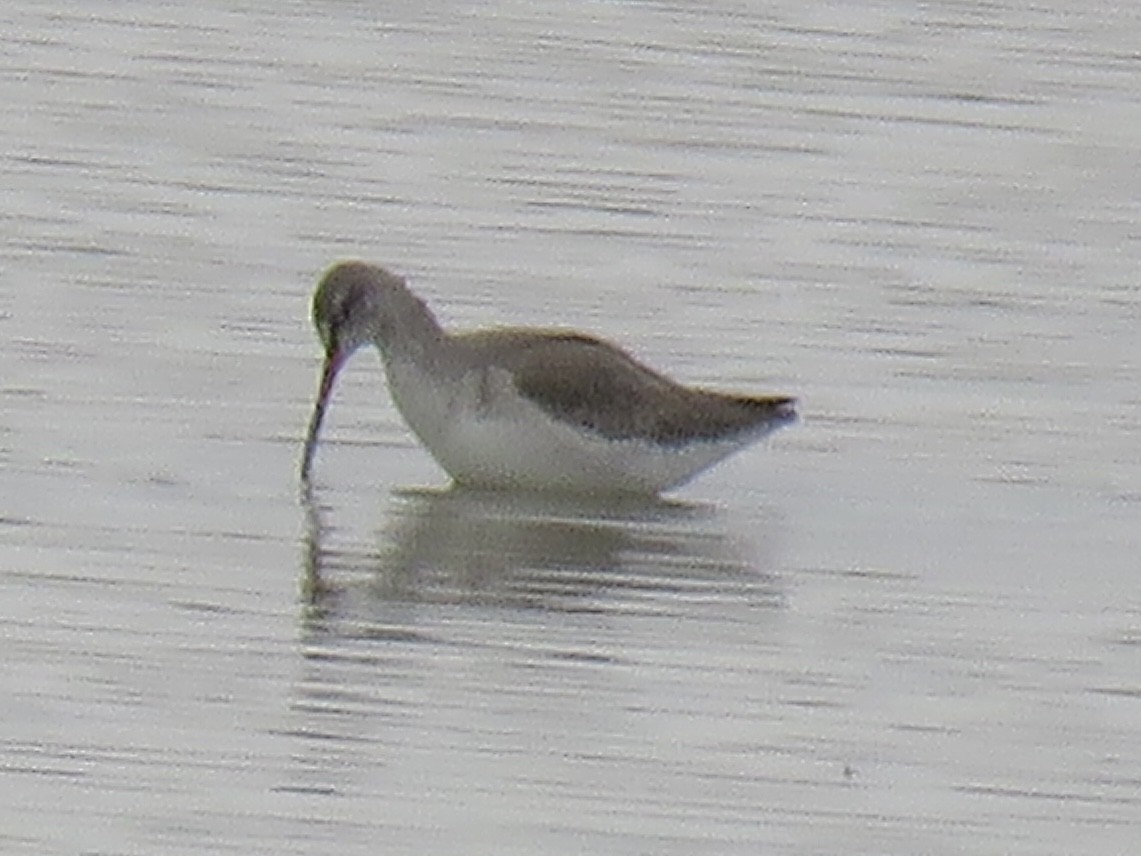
<point x="515" y="407"/>
<point x="591" y="383"/>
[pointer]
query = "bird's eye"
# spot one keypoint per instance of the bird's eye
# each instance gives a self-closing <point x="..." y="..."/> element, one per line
<point x="354" y="300"/>
<point x="338" y="314"/>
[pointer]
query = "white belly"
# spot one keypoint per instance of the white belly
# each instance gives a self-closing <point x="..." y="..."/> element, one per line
<point x="485" y="435"/>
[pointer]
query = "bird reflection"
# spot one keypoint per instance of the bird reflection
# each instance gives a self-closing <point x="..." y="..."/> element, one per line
<point x="457" y="576"/>
<point x="537" y="551"/>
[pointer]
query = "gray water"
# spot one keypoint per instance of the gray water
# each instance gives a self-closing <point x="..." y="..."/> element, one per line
<point x="909" y="624"/>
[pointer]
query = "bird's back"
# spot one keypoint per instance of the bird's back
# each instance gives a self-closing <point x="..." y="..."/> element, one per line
<point x="594" y="385"/>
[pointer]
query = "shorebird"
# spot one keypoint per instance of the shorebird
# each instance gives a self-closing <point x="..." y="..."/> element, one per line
<point x="527" y="409"/>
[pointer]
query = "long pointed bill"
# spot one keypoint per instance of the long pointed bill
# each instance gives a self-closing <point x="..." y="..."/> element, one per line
<point x="333" y="363"/>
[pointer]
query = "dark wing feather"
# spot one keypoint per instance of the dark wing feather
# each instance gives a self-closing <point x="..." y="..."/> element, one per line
<point x="592" y="384"/>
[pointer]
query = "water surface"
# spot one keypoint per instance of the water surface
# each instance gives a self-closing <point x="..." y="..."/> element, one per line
<point x="909" y="624"/>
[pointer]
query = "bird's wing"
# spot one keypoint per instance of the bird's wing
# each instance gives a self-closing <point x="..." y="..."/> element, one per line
<point x="594" y="385"/>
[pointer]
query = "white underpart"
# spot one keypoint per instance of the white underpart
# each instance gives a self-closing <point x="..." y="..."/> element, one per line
<point x="484" y="434"/>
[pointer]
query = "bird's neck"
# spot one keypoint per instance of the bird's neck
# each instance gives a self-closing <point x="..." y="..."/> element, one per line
<point x="409" y="332"/>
